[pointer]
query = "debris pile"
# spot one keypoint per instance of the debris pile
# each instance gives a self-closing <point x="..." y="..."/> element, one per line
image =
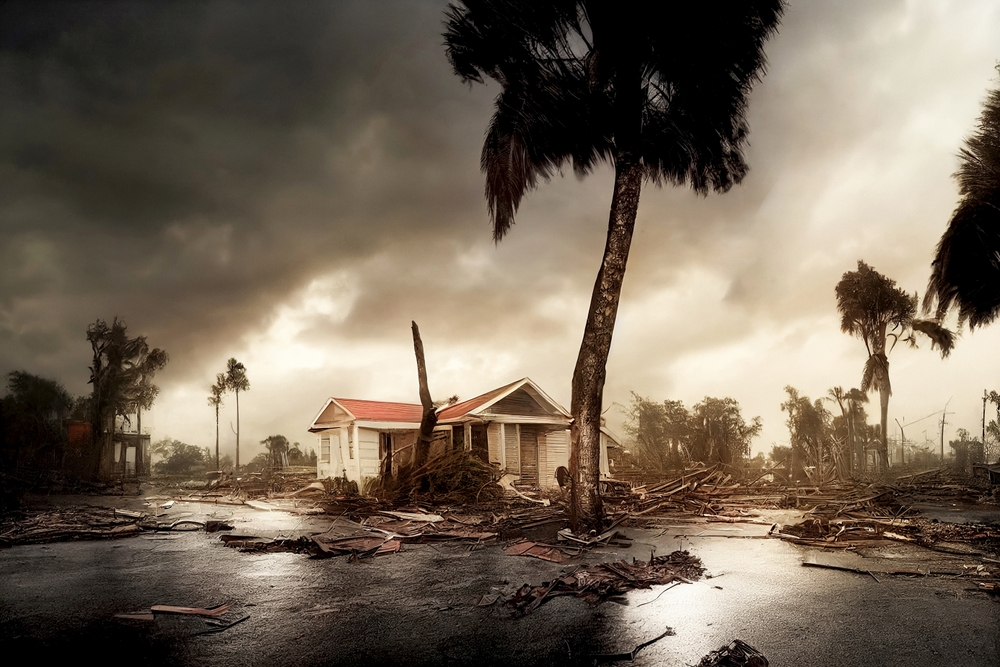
<point x="832" y="533"/>
<point x="599" y="582"/>
<point x="84" y="522"/>
<point x="65" y="524"/>
<point x="736" y="654"/>
<point x="455" y="477"/>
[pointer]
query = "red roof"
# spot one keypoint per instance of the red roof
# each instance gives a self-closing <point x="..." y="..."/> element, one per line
<point x="460" y="409"/>
<point x="379" y="411"/>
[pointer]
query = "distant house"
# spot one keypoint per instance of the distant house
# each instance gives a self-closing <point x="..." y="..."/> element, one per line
<point x="356" y="437"/>
<point x="517" y="427"/>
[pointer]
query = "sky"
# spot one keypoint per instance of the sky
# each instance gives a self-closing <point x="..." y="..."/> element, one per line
<point x="291" y="184"/>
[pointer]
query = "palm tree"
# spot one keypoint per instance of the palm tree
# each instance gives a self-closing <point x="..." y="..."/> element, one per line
<point x="215" y="401"/>
<point x="855" y="416"/>
<point x="236" y="381"/>
<point x="881" y="314"/>
<point x="965" y="272"/>
<point x="657" y="94"/>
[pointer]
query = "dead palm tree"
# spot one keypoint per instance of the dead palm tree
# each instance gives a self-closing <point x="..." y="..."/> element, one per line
<point x="965" y="272"/>
<point x="881" y="314"/>
<point x="659" y="95"/>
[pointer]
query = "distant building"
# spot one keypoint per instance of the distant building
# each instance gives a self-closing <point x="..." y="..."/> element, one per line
<point x="518" y="428"/>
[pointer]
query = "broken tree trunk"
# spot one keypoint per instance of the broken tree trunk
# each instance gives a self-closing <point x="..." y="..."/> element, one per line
<point x="429" y="419"/>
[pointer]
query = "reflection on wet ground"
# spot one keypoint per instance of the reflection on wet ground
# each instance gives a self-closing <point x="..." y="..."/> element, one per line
<point x="419" y="606"/>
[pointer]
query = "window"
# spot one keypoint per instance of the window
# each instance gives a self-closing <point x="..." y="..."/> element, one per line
<point x="324" y="449"/>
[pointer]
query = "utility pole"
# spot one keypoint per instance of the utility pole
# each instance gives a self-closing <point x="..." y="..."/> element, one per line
<point x="902" y="443"/>
<point x="985" y="395"/>
<point x="944" y="413"/>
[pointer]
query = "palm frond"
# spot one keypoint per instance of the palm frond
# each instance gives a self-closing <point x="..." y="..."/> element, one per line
<point x="965" y="273"/>
<point x="875" y="376"/>
<point x="589" y="82"/>
<point x="941" y="338"/>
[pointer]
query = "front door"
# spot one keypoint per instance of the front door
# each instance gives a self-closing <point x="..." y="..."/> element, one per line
<point x="385" y="453"/>
<point x="529" y="455"/>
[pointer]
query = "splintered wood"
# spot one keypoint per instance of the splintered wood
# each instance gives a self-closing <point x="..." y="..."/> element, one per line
<point x="599" y="582"/>
<point x="68" y="523"/>
<point x="736" y="654"/>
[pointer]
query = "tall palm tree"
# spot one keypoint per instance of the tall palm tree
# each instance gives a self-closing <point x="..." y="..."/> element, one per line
<point x="657" y="94"/>
<point x="965" y="272"/>
<point x="881" y="314"/>
<point x="215" y="401"/>
<point x="236" y="381"/>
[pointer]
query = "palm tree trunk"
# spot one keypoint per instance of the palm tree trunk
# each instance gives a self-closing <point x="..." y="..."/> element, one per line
<point x="883" y="399"/>
<point x="237" y="430"/>
<point x="138" y="443"/>
<point x="217" y="437"/>
<point x="589" y="375"/>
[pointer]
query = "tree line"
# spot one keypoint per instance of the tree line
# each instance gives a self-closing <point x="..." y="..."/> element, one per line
<point x="33" y="413"/>
<point x="180" y="458"/>
<point x="39" y="417"/>
<point x="667" y="436"/>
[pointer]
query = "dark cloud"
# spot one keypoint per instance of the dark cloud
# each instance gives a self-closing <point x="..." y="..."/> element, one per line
<point x="186" y="166"/>
<point x="233" y="176"/>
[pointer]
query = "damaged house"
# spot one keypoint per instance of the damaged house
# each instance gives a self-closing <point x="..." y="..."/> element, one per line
<point x="518" y="428"/>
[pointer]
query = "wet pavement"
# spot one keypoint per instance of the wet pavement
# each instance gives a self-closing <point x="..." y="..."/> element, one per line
<point x="418" y="607"/>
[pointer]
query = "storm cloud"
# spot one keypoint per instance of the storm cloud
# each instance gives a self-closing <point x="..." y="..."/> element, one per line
<point x="292" y="183"/>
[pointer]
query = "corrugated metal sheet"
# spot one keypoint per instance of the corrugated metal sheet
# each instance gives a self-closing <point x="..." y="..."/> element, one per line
<point x="460" y="409"/>
<point x="381" y="411"/>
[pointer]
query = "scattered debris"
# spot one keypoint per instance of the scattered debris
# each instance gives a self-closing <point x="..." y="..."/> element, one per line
<point x="65" y="524"/>
<point x="614" y="657"/>
<point x="221" y="627"/>
<point x="599" y="582"/>
<point x="217" y="610"/>
<point x="737" y="654"/>
<point x="542" y="551"/>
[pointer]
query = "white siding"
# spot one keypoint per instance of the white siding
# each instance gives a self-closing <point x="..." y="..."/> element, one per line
<point x="511" y="445"/>
<point x="556" y="454"/>
<point x="368" y="452"/>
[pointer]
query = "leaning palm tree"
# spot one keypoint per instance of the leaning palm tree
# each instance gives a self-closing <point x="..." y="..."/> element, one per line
<point x="236" y="381"/>
<point x="965" y="272"/>
<point x="657" y="94"/>
<point x="881" y="314"/>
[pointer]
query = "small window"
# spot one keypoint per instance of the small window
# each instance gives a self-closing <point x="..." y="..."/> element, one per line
<point x="324" y="450"/>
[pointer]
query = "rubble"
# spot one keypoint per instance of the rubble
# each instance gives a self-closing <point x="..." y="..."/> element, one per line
<point x="595" y="583"/>
<point x="736" y="654"/>
<point x="84" y="522"/>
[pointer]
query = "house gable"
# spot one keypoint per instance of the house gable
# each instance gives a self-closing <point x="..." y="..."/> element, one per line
<point x="521" y="402"/>
<point x="334" y="413"/>
<point x="518" y="400"/>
